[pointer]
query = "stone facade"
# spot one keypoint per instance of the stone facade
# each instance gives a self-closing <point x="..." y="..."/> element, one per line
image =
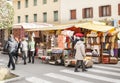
<point x="63" y="9"/>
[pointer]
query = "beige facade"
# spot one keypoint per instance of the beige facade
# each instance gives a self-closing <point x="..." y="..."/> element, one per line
<point x="64" y="7"/>
<point x="39" y="9"/>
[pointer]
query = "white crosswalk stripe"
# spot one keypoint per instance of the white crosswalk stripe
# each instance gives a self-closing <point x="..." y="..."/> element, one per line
<point x="108" y="68"/>
<point x="104" y="72"/>
<point x="66" y="78"/>
<point x="103" y="78"/>
<point x="36" y="80"/>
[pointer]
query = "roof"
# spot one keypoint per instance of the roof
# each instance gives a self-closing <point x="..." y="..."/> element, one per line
<point x="32" y="25"/>
<point x="41" y="26"/>
<point x="97" y="26"/>
<point x="55" y="27"/>
<point x="94" y="26"/>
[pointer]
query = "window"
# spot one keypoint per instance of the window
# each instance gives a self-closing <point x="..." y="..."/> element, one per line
<point x="44" y="1"/>
<point x="87" y="12"/>
<point x="44" y="17"/>
<point x="72" y="14"/>
<point x="118" y="9"/>
<point x="35" y="17"/>
<point x="55" y="15"/>
<point x="19" y="19"/>
<point x="26" y="3"/>
<point x="35" y="2"/>
<point x="55" y="0"/>
<point x="26" y="18"/>
<point x="105" y="10"/>
<point x="19" y="4"/>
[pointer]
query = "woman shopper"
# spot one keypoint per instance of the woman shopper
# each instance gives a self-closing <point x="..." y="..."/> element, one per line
<point x="79" y="55"/>
<point x="11" y="46"/>
<point x="31" y="46"/>
<point x="24" y="47"/>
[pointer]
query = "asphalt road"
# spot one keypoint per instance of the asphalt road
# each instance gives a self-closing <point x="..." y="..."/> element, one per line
<point x="45" y="73"/>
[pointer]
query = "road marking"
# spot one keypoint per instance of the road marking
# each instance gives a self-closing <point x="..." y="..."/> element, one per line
<point x="116" y="65"/>
<point x="83" y="74"/>
<point x="36" y="80"/>
<point x="66" y="78"/>
<point x="104" y="72"/>
<point x="1" y="60"/>
<point x="108" y="68"/>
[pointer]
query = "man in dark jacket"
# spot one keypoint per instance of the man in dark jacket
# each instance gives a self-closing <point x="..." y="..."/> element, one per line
<point x="11" y="46"/>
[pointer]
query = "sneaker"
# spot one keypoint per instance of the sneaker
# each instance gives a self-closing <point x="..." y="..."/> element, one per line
<point x="84" y="70"/>
<point x="29" y="61"/>
<point x="32" y="62"/>
<point x="13" y="69"/>
<point x="76" y="71"/>
<point x="8" y="66"/>
<point x="25" y="63"/>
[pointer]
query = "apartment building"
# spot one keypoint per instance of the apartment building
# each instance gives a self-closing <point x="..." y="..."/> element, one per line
<point x="65" y="11"/>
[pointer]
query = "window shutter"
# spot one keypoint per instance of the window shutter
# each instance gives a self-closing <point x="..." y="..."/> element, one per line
<point x="118" y="9"/>
<point x="83" y="12"/>
<point x="100" y="11"/>
<point x="91" y="12"/>
<point x="109" y="10"/>
<point x="73" y="14"/>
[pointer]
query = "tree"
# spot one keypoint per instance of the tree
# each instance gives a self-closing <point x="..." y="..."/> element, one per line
<point x="6" y="14"/>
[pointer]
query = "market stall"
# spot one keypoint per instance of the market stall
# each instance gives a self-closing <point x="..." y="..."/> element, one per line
<point x="101" y="42"/>
<point x="54" y="44"/>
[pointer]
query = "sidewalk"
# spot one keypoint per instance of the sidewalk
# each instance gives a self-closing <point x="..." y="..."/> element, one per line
<point x="38" y="69"/>
<point x="3" y="62"/>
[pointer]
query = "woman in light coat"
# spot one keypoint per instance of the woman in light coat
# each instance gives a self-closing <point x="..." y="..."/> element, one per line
<point x="24" y="47"/>
<point x="79" y="55"/>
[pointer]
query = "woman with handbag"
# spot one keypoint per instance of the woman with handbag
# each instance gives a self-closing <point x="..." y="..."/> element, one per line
<point x="79" y="55"/>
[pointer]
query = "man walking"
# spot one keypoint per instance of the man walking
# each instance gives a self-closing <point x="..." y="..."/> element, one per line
<point x="11" y="46"/>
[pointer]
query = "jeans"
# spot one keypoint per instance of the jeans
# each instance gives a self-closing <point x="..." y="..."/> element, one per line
<point x="80" y="63"/>
<point x="24" y="55"/>
<point x="31" y="56"/>
<point x="11" y="60"/>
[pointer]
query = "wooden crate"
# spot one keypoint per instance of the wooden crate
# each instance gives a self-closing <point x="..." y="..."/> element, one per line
<point x="105" y="59"/>
<point x="113" y="60"/>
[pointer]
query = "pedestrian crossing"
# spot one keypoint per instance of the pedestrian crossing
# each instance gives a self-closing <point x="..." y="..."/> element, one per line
<point x="36" y="80"/>
<point x="66" y="78"/>
<point x="95" y="77"/>
<point x="97" y="74"/>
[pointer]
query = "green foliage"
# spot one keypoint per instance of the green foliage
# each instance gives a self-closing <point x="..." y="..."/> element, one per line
<point x="6" y="14"/>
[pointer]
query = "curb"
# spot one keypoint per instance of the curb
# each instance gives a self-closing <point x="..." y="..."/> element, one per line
<point x="12" y="80"/>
